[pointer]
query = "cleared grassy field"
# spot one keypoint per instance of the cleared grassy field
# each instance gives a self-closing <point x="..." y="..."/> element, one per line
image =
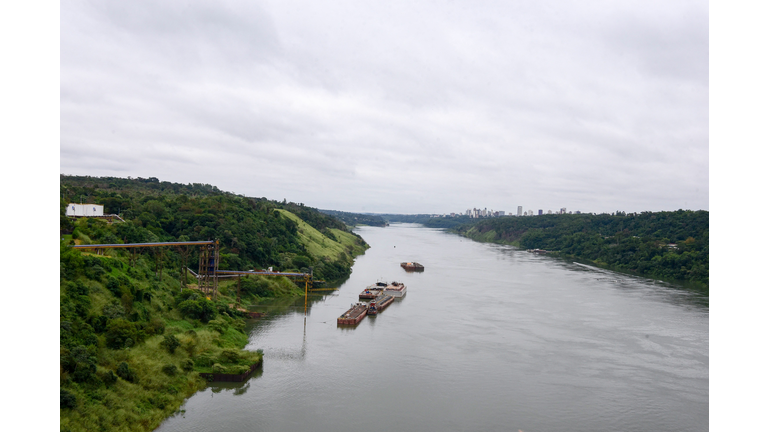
<point x="322" y="246"/>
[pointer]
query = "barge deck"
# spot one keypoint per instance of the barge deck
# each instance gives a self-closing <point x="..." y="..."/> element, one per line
<point x="379" y="304"/>
<point x="354" y="315"/>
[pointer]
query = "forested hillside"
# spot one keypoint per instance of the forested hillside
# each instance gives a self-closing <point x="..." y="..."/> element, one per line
<point x="251" y="232"/>
<point x="134" y="332"/>
<point x="665" y="245"/>
<point x="354" y="219"/>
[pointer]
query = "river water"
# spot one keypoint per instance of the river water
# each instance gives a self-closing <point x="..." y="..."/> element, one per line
<point x="487" y="338"/>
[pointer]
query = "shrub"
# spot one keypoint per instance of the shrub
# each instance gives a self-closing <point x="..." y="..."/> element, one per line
<point x="218" y="369"/>
<point x="67" y="400"/>
<point x="170" y="343"/>
<point x="170" y="370"/>
<point x="188" y="365"/>
<point x="229" y="356"/>
<point x="113" y="310"/>
<point x="99" y="323"/>
<point x="84" y="372"/>
<point x="202" y="309"/>
<point x="95" y="272"/>
<point x="218" y="324"/>
<point x="79" y="362"/>
<point x="120" y="330"/>
<point x="156" y="326"/>
<point x="109" y="378"/>
<point x="204" y="360"/>
<point x="113" y="285"/>
<point x="126" y="373"/>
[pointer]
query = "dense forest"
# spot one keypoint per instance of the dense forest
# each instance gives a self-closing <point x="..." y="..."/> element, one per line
<point x="354" y="219"/>
<point x="665" y="245"/>
<point x="135" y="334"/>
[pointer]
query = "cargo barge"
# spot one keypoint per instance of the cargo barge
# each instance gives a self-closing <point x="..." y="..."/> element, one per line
<point x="372" y="291"/>
<point x="354" y="315"/>
<point x="379" y="304"/>
<point x="412" y="266"/>
<point x="395" y="289"/>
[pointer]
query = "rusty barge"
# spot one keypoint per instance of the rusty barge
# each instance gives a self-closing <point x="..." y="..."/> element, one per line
<point x="379" y="304"/>
<point x="354" y="315"/>
<point x="372" y="291"/>
<point x="412" y="266"/>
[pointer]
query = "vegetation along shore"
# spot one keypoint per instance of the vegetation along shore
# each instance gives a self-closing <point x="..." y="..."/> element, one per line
<point x="671" y="245"/>
<point x="135" y="333"/>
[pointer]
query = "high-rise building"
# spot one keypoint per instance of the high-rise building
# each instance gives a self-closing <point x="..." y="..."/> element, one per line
<point x="541" y="212"/>
<point x="562" y="210"/>
<point x="519" y="210"/>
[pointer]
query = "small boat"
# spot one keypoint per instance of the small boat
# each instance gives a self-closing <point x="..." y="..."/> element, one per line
<point x="395" y="289"/>
<point x="379" y="304"/>
<point x="354" y="315"/>
<point x="372" y="291"/>
<point x="412" y="266"/>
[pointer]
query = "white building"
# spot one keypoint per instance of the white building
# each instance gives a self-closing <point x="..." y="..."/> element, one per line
<point x="85" y="209"/>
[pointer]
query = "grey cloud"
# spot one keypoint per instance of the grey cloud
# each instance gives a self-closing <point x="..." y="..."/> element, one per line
<point x="518" y="103"/>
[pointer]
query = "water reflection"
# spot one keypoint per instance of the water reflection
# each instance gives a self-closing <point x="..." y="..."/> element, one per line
<point x="235" y="388"/>
<point x="677" y="293"/>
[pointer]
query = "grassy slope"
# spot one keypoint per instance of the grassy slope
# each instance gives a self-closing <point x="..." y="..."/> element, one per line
<point x="487" y="237"/>
<point x="320" y="245"/>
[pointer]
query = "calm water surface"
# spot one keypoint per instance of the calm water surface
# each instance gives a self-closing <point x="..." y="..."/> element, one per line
<point x="488" y="338"/>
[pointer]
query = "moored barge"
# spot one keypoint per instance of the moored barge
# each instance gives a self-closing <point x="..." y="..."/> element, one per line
<point x="379" y="304"/>
<point x="372" y="291"/>
<point x="395" y="289"/>
<point x="412" y="266"/>
<point x="354" y="315"/>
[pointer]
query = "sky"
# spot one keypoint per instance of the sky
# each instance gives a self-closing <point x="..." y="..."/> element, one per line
<point x="396" y="106"/>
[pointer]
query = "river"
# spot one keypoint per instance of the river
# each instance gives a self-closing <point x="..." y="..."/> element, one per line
<point x="487" y="338"/>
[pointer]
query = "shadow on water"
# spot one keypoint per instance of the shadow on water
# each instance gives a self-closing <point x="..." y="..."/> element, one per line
<point x="678" y="291"/>
<point x="282" y="305"/>
<point x="236" y="388"/>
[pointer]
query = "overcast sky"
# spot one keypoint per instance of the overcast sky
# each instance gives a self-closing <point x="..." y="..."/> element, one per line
<point x="400" y="107"/>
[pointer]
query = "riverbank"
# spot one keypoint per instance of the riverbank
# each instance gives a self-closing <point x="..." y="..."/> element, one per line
<point x="668" y="246"/>
<point x="135" y="334"/>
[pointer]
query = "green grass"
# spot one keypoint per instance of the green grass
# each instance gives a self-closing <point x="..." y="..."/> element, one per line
<point x="316" y="242"/>
<point x="349" y="241"/>
<point x="488" y="237"/>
